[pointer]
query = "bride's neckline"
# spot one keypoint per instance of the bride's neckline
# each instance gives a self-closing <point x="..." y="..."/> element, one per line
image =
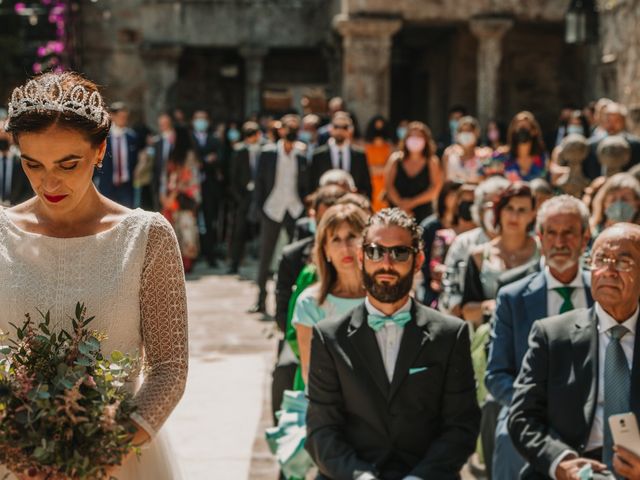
<point x="22" y="231"/>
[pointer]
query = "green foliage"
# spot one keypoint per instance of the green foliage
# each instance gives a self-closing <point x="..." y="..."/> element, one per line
<point x="63" y="407"/>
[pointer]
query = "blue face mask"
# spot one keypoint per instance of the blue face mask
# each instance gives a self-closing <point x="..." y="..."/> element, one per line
<point x="304" y="136"/>
<point x="233" y="135"/>
<point x="401" y="132"/>
<point x="577" y="129"/>
<point x="201" y="125"/>
<point x="453" y="127"/>
<point x="312" y="226"/>
<point x="620" y="211"/>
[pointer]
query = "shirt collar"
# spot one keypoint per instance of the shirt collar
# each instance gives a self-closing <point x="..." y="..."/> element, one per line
<point x="332" y="143"/>
<point x="606" y="321"/>
<point x="553" y="282"/>
<point x="371" y="310"/>
<point x="282" y="153"/>
<point x="117" y="131"/>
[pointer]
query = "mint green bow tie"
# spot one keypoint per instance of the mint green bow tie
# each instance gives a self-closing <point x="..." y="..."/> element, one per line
<point x="376" y="322"/>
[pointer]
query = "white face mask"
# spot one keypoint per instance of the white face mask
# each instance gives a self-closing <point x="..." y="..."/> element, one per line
<point x="466" y="138"/>
<point x="415" y="144"/>
<point x="576" y="129"/>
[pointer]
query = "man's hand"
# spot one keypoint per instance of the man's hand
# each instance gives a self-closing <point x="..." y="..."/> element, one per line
<point x="568" y="469"/>
<point x="626" y="464"/>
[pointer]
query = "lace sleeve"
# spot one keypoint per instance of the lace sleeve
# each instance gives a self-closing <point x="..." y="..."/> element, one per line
<point x="163" y="318"/>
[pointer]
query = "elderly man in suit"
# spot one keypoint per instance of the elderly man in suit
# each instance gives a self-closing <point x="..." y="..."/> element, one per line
<point x="580" y="368"/>
<point x="340" y="153"/>
<point x="563" y="229"/>
<point x="391" y="387"/>
<point x="281" y="184"/>
<point x="116" y="178"/>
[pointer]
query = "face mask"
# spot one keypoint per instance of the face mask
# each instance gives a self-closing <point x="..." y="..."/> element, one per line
<point x="464" y="210"/>
<point x="466" y="138"/>
<point x="453" y="126"/>
<point x="312" y="226"/>
<point x="304" y="136"/>
<point x="201" y="125"/>
<point x="291" y="135"/>
<point x="150" y="151"/>
<point x="401" y="132"/>
<point x="415" y="144"/>
<point x="4" y="145"/>
<point x="523" y="135"/>
<point x="620" y="211"/>
<point x="575" y="129"/>
<point x="488" y="221"/>
<point x="233" y="135"/>
<point x="493" y="135"/>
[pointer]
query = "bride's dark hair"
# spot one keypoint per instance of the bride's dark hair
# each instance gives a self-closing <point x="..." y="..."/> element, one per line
<point x="39" y="120"/>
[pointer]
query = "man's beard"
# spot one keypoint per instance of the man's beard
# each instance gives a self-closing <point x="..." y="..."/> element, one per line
<point x="385" y="292"/>
<point x="558" y="266"/>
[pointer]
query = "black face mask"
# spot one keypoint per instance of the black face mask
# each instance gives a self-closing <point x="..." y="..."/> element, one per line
<point x="291" y="135"/>
<point x="464" y="210"/>
<point x="4" y="145"/>
<point x="523" y="135"/>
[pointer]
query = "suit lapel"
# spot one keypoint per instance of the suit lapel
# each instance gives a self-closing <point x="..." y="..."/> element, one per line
<point x="535" y="298"/>
<point x="364" y="341"/>
<point x="635" y="376"/>
<point x="584" y="340"/>
<point x="586" y="281"/>
<point x="414" y="337"/>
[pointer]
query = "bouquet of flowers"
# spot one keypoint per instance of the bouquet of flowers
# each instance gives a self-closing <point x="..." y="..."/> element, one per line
<point x="64" y="412"/>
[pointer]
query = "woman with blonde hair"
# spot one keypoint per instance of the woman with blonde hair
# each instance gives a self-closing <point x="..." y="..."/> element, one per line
<point x="339" y="288"/>
<point x="414" y="177"/>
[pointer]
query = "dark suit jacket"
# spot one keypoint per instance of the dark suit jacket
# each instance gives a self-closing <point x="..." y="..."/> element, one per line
<point x="240" y="177"/>
<point x="213" y="169"/>
<point x="359" y="169"/>
<point x="556" y="392"/>
<point x="106" y="176"/>
<point x="423" y="423"/>
<point x="592" y="168"/>
<point x="518" y="305"/>
<point x="20" y="187"/>
<point x="266" y="174"/>
<point x="518" y="273"/>
<point x="294" y="257"/>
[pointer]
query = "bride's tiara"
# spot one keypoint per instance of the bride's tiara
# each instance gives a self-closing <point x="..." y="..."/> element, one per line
<point x="46" y="93"/>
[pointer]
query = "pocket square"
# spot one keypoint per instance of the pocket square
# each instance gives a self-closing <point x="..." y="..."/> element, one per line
<point x="417" y="370"/>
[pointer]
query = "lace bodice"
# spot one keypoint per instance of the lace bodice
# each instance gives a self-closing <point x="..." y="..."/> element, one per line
<point x="130" y="277"/>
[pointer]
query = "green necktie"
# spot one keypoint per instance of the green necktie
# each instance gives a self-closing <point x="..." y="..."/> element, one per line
<point x="565" y="293"/>
<point x="376" y="322"/>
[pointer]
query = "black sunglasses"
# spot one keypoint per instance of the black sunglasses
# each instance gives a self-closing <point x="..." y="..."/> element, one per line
<point x="340" y="127"/>
<point x="399" y="253"/>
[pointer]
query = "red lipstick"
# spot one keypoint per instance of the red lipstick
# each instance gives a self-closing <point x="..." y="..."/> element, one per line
<point x="55" y="198"/>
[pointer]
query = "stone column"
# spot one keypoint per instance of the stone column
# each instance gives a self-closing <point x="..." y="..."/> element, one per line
<point x="366" y="64"/>
<point x="489" y="31"/>
<point x="161" y="70"/>
<point x="254" y="60"/>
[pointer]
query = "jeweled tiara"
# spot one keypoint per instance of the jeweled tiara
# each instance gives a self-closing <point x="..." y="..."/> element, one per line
<point x="46" y="93"/>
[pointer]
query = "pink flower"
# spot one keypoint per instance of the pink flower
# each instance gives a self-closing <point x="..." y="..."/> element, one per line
<point x="19" y="7"/>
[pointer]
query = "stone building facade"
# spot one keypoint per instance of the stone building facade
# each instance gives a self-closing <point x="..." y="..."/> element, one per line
<point x="402" y="58"/>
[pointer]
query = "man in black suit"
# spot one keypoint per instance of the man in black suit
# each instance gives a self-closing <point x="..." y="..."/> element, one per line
<point x="242" y="172"/>
<point x="14" y="184"/>
<point x="207" y="148"/>
<point x="615" y="124"/>
<point x="391" y="386"/>
<point x="116" y="177"/>
<point x="162" y="148"/>
<point x="580" y="368"/>
<point x="281" y="184"/>
<point x="340" y="153"/>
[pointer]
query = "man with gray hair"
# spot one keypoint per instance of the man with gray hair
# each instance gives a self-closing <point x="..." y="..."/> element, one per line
<point x="563" y="228"/>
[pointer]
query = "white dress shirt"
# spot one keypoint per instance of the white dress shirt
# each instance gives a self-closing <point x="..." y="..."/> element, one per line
<point x="119" y="141"/>
<point x="605" y="323"/>
<point x="284" y="195"/>
<point x="388" y="337"/>
<point x="335" y="154"/>
<point x="555" y="300"/>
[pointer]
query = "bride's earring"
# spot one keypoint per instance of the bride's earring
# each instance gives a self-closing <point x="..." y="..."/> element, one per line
<point x="328" y="259"/>
<point x="99" y="165"/>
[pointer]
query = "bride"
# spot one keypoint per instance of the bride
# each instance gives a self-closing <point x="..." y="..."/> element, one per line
<point x="70" y="244"/>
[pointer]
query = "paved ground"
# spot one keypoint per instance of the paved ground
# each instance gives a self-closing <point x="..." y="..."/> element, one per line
<point x="217" y="429"/>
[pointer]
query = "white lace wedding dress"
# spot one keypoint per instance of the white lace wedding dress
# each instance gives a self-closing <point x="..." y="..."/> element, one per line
<point x="131" y="278"/>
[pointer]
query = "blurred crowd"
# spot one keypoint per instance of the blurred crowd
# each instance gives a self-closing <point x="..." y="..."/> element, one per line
<point x="261" y="187"/>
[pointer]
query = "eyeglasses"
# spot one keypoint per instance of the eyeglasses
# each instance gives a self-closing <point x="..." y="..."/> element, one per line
<point x="622" y="264"/>
<point x="399" y="253"/>
<point x="340" y="127"/>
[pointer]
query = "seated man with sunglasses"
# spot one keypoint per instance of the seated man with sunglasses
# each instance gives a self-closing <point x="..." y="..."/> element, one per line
<point x="391" y="387"/>
<point x="582" y="367"/>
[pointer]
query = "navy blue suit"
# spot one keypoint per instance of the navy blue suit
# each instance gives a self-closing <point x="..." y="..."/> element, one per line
<point x="123" y="193"/>
<point x="518" y="305"/>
